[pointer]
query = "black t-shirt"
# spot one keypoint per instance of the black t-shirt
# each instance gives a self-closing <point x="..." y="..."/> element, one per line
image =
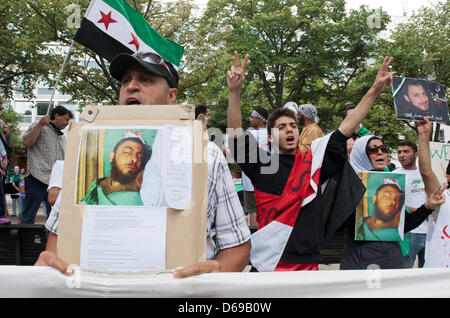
<point x="307" y="237"/>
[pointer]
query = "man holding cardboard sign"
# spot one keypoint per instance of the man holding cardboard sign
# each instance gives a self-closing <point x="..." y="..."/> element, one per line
<point x="148" y="79"/>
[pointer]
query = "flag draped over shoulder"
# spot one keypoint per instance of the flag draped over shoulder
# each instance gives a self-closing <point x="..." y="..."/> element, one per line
<point x="281" y="212"/>
<point x="110" y="27"/>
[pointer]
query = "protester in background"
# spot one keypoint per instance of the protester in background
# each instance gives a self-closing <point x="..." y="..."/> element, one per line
<point x="408" y="153"/>
<point x="21" y="199"/>
<point x="3" y="161"/>
<point x="307" y="117"/>
<point x="45" y="144"/>
<point x="205" y="110"/>
<point x="258" y="121"/>
<point x="15" y="180"/>
<point x="292" y="106"/>
<point x="370" y="154"/>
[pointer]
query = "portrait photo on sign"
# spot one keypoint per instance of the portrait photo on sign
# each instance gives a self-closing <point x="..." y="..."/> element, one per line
<point x="380" y="215"/>
<point x="135" y="166"/>
<point x="415" y="99"/>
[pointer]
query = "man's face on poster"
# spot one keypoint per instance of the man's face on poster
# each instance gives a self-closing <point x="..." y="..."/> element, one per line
<point x="126" y="162"/>
<point x="417" y="96"/>
<point x="387" y="203"/>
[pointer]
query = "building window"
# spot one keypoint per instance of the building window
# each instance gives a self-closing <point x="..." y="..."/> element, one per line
<point x="41" y="109"/>
<point x="44" y="91"/>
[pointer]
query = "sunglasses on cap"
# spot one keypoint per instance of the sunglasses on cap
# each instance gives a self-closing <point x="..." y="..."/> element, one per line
<point x="374" y="149"/>
<point x="153" y="58"/>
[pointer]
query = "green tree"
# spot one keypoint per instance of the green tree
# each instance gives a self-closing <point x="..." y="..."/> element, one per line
<point x="86" y="76"/>
<point x="293" y="44"/>
<point x="23" y="60"/>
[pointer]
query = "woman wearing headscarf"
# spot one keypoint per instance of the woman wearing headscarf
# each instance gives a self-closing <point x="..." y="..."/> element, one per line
<point x="370" y="153"/>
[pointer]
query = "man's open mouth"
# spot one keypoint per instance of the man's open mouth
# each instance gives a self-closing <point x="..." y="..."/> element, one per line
<point x="290" y="139"/>
<point x="133" y="101"/>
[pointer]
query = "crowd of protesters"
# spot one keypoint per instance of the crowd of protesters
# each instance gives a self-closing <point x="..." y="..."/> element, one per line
<point x="349" y="149"/>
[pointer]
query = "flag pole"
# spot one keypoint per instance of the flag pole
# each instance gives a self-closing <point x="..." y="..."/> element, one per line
<point x="58" y="77"/>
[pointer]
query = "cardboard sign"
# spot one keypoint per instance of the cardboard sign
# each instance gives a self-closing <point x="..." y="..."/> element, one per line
<point x="90" y="188"/>
<point x="380" y="215"/>
<point x="440" y="157"/>
<point x="415" y="99"/>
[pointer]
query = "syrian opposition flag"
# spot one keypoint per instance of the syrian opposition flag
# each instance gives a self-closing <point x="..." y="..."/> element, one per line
<point x="110" y="27"/>
<point x="269" y="241"/>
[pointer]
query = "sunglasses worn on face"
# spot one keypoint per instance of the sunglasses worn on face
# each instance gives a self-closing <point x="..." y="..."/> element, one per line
<point x="153" y="59"/>
<point x="374" y="149"/>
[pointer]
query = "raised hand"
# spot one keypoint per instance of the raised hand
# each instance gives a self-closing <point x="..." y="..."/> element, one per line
<point x="235" y="77"/>
<point x="383" y="76"/>
<point x="436" y="199"/>
<point x="424" y="128"/>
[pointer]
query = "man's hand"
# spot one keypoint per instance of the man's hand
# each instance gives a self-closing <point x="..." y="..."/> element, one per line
<point x="233" y="259"/>
<point x="436" y="199"/>
<point x="211" y="266"/>
<point x="47" y="258"/>
<point x="235" y="77"/>
<point x="424" y="128"/>
<point x="45" y="120"/>
<point x="383" y="76"/>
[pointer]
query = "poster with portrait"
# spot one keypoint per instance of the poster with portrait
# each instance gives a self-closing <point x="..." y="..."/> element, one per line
<point x="134" y="196"/>
<point x="415" y="99"/>
<point x="135" y="166"/>
<point x="380" y="215"/>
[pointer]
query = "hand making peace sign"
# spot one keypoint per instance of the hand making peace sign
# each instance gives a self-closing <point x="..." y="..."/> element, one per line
<point x="383" y="76"/>
<point x="235" y="77"/>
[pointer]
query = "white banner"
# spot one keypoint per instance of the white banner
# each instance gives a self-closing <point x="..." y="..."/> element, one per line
<point x="32" y="281"/>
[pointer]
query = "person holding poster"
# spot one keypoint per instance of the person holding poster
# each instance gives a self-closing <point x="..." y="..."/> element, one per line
<point x="148" y="79"/>
<point x="438" y="237"/>
<point x="414" y="100"/>
<point x="384" y="222"/>
<point x="415" y="196"/>
<point x="370" y="154"/>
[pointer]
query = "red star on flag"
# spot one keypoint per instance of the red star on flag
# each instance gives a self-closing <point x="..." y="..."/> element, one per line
<point x="134" y="42"/>
<point x="106" y="19"/>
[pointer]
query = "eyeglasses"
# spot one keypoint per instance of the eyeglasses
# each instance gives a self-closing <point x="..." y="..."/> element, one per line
<point x="153" y="59"/>
<point x="374" y="149"/>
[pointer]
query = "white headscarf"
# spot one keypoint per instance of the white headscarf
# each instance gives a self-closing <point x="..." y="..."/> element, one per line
<point x="359" y="159"/>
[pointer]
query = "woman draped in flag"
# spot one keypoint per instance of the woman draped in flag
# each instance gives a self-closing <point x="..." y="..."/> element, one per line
<point x="370" y="154"/>
<point x="288" y="183"/>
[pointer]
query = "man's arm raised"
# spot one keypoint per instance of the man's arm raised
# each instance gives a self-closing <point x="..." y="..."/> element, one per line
<point x="430" y="180"/>
<point x="235" y="79"/>
<point x="352" y="121"/>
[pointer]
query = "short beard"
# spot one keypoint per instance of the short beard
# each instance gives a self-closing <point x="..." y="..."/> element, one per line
<point x="117" y="175"/>
<point x="408" y="165"/>
<point x="383" y="217"/>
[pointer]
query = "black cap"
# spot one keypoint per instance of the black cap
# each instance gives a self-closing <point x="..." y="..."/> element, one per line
<point x="123" y="61"/>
